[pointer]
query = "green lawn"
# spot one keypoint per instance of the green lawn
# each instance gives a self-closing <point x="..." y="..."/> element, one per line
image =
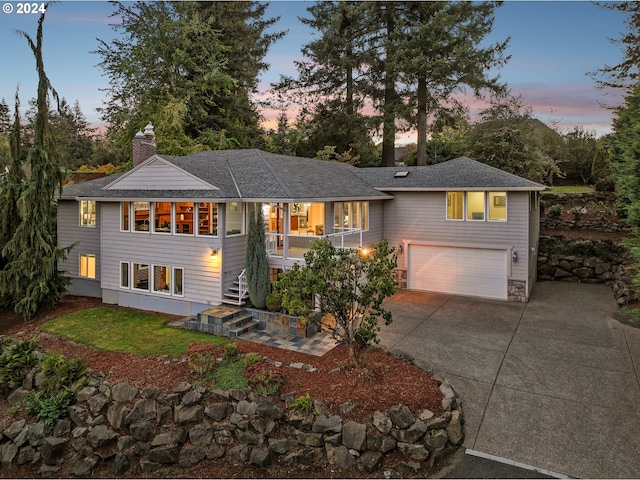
<point x="117" y="329"/>
<point x="571" y="189"/>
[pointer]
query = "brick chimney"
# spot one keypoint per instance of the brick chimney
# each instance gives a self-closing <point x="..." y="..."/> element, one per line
<point x="144" y="145"/>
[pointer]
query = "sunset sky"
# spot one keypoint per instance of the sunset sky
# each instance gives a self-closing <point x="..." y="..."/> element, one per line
<point x="553" y="45"/>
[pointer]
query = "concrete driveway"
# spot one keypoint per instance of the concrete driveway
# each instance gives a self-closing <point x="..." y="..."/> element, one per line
<point x="553" y="384"/>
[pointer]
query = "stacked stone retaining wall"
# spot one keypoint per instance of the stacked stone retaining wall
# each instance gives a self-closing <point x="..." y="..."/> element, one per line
<point x="119" y="430"/>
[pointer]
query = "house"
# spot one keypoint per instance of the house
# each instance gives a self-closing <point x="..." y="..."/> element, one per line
<point x="170" y="234"/>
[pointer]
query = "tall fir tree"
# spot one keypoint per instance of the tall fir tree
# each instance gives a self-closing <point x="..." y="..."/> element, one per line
<point x="256" y="261"/>
<point x="12" y="189"/>
<point x="31" y="278"/>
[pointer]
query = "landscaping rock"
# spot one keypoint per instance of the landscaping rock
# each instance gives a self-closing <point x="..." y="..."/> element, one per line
<point x="143" y="431"/>
<point x="261" y="457"/>
<point x="218" y="411"/>
<point x="454" y="428"/>
<point x="191" y="456"/>
<point x="246" y="408"/>
<point x="411" y="434"/>
<point x="8" y="452"/>
<point x="165" y="455"/>
<point x="13" y="430"/>
<point x="371" y="461"/>
<point x="18" y="395"/>
<point x="401" y="416"/>
<point x="324" y="424"/>
<point x="354" y="435"/>
<point x="121" y="464"/>
<point x="183" y="415"/>
<point x="101" y="436"/>
<point x="382" y="422"/>
<point x="116" y="415"/>
<point x="123" y="392"/>
<point x="143" y="409"/>
<point x="84" y="467"/>
<point x="201" y="434"/>
<point x="53" y="449"/>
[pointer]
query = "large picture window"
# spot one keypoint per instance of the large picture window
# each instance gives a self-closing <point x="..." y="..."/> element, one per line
<point x="476" y="204"/>
<point x="498" y="206"/>
<point x="87" y="265"/>
<point x="208" y="219"/>
<point x="306" y="219"/>
<point x="87" y="213"/>
<point x="234" y="224"/>
<point x="164" y="279"/>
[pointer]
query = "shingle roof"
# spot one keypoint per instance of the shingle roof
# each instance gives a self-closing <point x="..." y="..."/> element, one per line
<point x="459" y="173"/>
<point x="255" y="175"/>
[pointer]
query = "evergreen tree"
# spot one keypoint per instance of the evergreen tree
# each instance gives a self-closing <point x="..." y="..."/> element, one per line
<point x="12" y="188"/>
<point x="72" y="133"/>
<point x="189" y="68"/>
<point x="5" y="118"/>
<point x="31" y="279"/>
<point x="256" y="261"/>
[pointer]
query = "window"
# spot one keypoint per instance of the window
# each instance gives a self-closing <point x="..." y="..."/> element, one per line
<point x="162" y="217"/>
<point x="87" y="213"/>
<point x="141" y="216"/>
<point x="124" y="275"/>
<point x="498" y="206"/>
<point x="455" y="205"/>
<point x="124" y="216"/>
<point x="350" y="215"/>
<point x="234" y="218"/>
<point x="475" y="205"/>
<point x="141" y="276"/>
<point x="184" y="218"/>
<point x="178" y="274"/>
<point x="208" y="219"/>
<point x="306" y="219"/>
<point x="161" y="279"/>
<point x="87" y="265"/>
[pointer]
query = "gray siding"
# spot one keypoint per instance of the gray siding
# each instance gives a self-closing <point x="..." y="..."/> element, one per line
<point x="420" y="217"/>
<point x="201" y="282"/>
<point x="86" y="239"/>
<point x="376" y="224"/>
<point x="159" y="175"/>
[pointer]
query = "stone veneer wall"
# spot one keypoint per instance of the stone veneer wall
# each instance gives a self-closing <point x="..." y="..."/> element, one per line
<point x="122" y="431"/>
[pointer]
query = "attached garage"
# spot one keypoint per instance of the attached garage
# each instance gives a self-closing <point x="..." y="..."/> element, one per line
<point x="478" y="272"/>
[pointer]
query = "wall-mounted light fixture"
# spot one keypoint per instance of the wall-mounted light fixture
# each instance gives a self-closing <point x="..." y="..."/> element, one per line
<point x="214" y="254"/>
<point x="514" y="255"/>
<point x="400" y="248"/>
<point x="364" y="251"/>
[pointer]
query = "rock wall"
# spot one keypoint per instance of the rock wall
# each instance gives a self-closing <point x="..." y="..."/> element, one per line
<point x="588" y="261"/>
<point x="121" y="431"/>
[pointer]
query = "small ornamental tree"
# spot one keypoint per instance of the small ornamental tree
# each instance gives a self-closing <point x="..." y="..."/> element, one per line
<point x="350" y="284"/>
<point x="256" y="262"/>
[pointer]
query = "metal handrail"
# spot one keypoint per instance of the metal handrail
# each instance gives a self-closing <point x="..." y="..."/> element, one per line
<point x="242" y="285"/>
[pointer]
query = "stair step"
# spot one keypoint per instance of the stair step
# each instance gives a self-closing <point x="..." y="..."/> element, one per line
<point x="244" y="328"/>
<point x="229" y="301"/>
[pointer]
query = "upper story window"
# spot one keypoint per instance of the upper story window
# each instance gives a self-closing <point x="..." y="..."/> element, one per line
<point x="208" y="219"/>
<point x="234" y="223"/>
<point x="124" y="216"/>
<point x="306" y="219"/>
<point x="350" y="215"/>
<point x="184" y="218"/>
<point x="473" y="206"/>
<point x="141" y="216"/>
<point x="87" y="213"/>
<point x="162" y="217"/>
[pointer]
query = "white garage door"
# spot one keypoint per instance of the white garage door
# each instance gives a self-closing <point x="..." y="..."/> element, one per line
<point x="463" y="271"/>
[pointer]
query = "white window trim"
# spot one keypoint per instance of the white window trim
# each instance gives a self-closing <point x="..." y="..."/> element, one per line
<point x="465" y="205"/>
<point x="132" y="222"/>
<point x="152" y="222"/>
<point x="506" y="206"/>
<point x="128" y="264"/>
<point x="95" y="214"/>
<point x="196" y="220"/>
<point x="173" y="282"/>
<point x="87" y="256"/>
<point x="242" y="224"/>
<point x="133" y="280"/>
<point x="174" y="219"/>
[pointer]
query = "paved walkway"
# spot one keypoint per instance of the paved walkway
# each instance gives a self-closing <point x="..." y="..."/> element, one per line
<point x="553" y="384"/>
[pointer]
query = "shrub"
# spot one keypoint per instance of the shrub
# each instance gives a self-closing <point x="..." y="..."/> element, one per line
<point x="60" y="372"/>
<point x="555" y="211"/>
<point x="251" y="359"/>
<point x="304" y="403"/>
<point x="203" y="357"/>
<point x="264" y="378"/>
<point x="274" y="302"/>
<point x="18" y="361"/>
<point x="577" y="212"/>
<point x="366" y="336"/>
<point x="49" y="408"/>
<point x="231" y="351"/>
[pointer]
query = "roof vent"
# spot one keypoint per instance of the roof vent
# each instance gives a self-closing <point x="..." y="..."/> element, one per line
<point x="401" y="174"/>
